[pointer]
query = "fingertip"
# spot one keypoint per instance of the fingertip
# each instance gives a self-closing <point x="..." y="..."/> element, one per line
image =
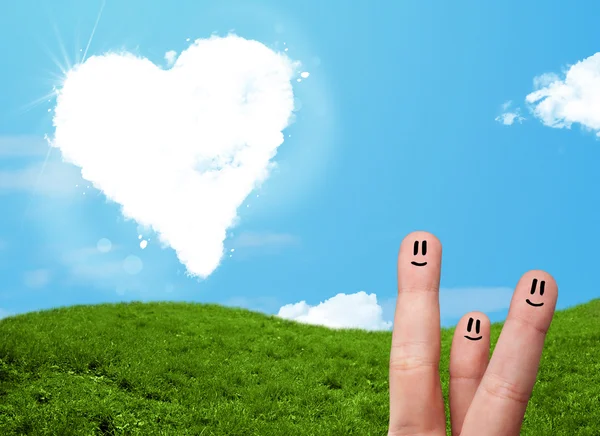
<point x="534" y="300"/>
<point x="419" y="262"/>
<point x="420" y="235"/>
<point x="473" y="325"/>
<point x="537" y="289"/>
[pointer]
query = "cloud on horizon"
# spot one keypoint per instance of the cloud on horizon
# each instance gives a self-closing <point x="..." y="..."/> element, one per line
<point x="361" y="310"/>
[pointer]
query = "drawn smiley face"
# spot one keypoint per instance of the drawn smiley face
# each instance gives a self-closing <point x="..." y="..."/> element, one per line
<point x="533" y="286"/>
<point x="423" y="252"/>
<point x="477" y="329"/>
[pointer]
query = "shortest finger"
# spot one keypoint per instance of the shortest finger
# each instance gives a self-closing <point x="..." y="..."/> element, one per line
<point x="469" y="358"/>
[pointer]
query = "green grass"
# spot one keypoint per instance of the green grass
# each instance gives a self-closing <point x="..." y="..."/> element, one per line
<point x="195" y="369"/>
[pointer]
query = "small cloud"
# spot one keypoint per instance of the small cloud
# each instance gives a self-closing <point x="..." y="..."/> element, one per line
<point x="509" y="117"/>
<point x="560" y="103"/>
<point x="37" y="279"/>
<point x="171" y="57"/>
<point x="359" y="310"/>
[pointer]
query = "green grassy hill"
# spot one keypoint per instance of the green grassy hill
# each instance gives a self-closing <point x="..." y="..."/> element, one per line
<point x="195" y="369"/>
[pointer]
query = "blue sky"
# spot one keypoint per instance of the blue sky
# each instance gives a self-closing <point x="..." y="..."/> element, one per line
<point x="403" y="124"/>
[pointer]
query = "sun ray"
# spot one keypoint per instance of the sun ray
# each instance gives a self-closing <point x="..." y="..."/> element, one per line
<point x="35" y="103"/>
<point x="93" y="30"/>
<point x="62" y="48"/>
<point x="64" y="69"/>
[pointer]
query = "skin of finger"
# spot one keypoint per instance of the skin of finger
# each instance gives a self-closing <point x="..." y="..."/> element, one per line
<point x="468" y="362"/>
<point x="416" y="402"/>
<point x="500" y="402"/>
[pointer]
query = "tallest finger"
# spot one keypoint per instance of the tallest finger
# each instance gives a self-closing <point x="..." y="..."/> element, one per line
<point x="416" y="402"/>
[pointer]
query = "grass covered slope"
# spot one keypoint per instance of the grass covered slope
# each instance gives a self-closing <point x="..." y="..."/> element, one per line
<point x="195" y="369"/>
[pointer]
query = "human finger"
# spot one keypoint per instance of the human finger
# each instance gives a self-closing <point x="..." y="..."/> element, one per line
<point x="469" y="357"/>
<point x="416" y="402"/>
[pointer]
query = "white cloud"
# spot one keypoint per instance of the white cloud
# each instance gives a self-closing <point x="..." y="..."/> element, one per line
<point x="179" y="149"/>
<point x="37" y="279"/>
<point x="560" y="103"/>
<point x="359" y="310"/>
<point x="171" y="57"/>
<point x="509" y="117"/>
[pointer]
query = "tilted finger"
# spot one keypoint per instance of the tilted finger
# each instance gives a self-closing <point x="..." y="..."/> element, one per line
<point x="503" y="394"/>
<point x="469" y="357"/>
<point x="416" y="402"/>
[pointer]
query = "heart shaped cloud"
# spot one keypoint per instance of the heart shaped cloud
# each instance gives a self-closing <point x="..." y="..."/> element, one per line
<point x="178" y="149"/>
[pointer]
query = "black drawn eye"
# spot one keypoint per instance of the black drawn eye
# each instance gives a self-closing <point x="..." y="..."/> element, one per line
<point x="533" y="286"/>
<point x="534" y="283"/>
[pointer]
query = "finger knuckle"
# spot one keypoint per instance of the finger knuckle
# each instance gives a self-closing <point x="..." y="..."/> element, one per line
<point x="499" y="387"/>
<point x="409" y="356"/>
<point x="528" y="324"/>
